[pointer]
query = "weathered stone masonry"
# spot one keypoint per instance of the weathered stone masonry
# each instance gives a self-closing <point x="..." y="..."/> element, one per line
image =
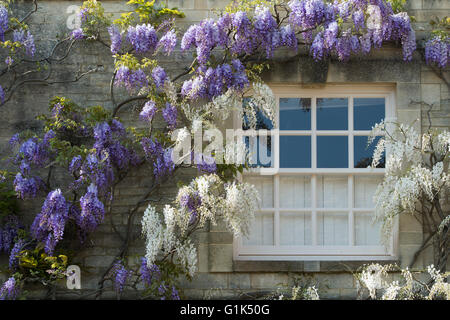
<point x="418" y="88"/>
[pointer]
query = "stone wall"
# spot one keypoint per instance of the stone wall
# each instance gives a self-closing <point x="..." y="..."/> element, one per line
<point x="418" y="88"/>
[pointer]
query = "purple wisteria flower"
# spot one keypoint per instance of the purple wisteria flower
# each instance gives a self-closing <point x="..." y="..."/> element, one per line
<point x="149" y="274"/>
<point x="26" y="188"/>
<point x="77" y="34"/>
<point x="170" y="115"/>
<point x="75" y="164"/>
<point x="10" y="289"/>
<point x="99" y="171"/>
<point x="35" y="152"/>
<point x="121" y="276"/>
<point x="116" y="39"/>
<point x="14" y="141"/>
<point x="4" y="21"/>
<point x="175" y="295"/>
<point x="130" y="79"/>
<point x="205" y="163"/>
<point x="161" y="158"/>
<point x="2" y="94"/>
<point x="49" y="224"/>
<point x="9" y="61"/>
<point x="13" y="256"/>
<point x="148" y="111"/>
<point x="143" y="37"/>
<point x="83" y="14"/>
<point x="168" y="42"/>
<point x="437" y="51"/>
<point x="117" y="127"/>
<point x="191" y="202"/>
<point x="92" y="210"/>
<point x="27" y="40"/>
<point x="159" y="77"/>
<point x="9" y="232"/>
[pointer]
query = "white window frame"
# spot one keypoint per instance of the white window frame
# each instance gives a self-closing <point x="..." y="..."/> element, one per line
<point x="319" y="252"/>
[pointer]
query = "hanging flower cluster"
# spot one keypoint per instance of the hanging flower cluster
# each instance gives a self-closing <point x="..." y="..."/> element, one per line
<point x="49" y="224"/>
<point x="437" y="51"/>
<point x="31" y="153"/>
<point x="205" y="199"/>
<point x="10" y="289"/>
<point x="409" y="179"/>
<point x="212" y="82"/>
<point x="120" y="276"/>
<point x="160" y="157"/>
<point x="130" y="79"/>
<point x="9" y="232"/>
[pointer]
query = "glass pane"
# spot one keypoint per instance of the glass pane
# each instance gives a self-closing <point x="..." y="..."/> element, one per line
<point x="332" y="191"/>
<point x="264" y="185"/>
<point x="262" y="122"/>
<point x="363" y="154"/>
<point x="295" y="192"/>
<point x="260" y="151"/>
<point x="332" y="152"/>
<point x="332" y="228"/>
<point x="365" y="187"/>
<point x="367" y="232"/>
<point x="295" y="114"/>
<point x="295" y="152"/>
<point x="261" y="230"/>
<point x="332" y="113"/>
<point x="295" y="229"/>
<point x="367" y="112"/>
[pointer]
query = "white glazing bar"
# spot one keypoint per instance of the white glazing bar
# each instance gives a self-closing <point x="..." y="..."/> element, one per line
<point x="276" y="221"/>
<point x="350" y="134"/>
<point x="313" y="136"/>
<point x="351" y="218"/>
<point x="314" y="211"/>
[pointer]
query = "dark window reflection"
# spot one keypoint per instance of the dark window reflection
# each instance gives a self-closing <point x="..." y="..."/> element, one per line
<point x="262" y="122"/>
<point x="260" y="151"/>
<point x="295" y="152"/>
<point x="368" y="112"/>
<point x="364" y="153"/>
<point x="295" y="114"/>
<point x="332" y="152"/>
<point x="332" y="113"/>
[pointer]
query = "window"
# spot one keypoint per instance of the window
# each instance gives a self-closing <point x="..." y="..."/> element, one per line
<point x="317" y="189"/>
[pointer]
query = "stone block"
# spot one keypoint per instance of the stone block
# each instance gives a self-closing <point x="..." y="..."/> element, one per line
<point x="431" y="95"/>
<point x="408" y="96"/>
<point x="220" y="257"/>
<point x="268" y="280"/>
<point x="239" y="281"/>
<point x="436" y="4"/>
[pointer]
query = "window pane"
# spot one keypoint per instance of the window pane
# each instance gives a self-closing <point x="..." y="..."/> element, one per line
<point x="332" y="152"/>
<point x="264" y="185"/>
<point x="295" y="192"/>
<point x="260" y="151"/>
<point x="332" y="113"/>
<point x="367" y="112"/>
<point x="295" y="229"/>
<point x="262" y="122"/>
<point x="261" y="230"/>
<point x="332" y="228"/>
<point x="365" y="187"/>
<point x="332" y="191"/>
<point x="367" y="232"/>
<point x="295" y="152"/>
<point x="295" y="114"/>
<point x="363" y="154"/>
